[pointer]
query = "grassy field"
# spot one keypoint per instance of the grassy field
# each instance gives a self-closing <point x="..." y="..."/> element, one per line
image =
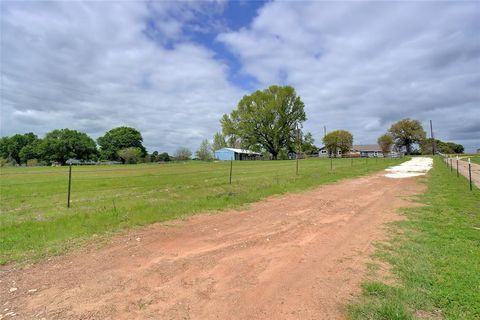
<point x="435" y="255"/>
<point x="34" y="220"/>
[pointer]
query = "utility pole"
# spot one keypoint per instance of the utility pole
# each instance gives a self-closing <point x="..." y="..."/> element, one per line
<point x="324" y="131"/>
<point x="433" y="139"/>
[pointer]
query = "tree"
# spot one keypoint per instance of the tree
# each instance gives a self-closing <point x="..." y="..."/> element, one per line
<point x="130" y="155"/>
<point x="205" y="151"/>
<point x="164" y="157"/>
<point x="308" y="144"/>
<point x="183" y="154"/>
<point x="4" y="142"/>
<point x="30" y="151"/>
<point x="265" y="119"/>
<point x="64" y="144"/>
<point x="154" y="156"/>
<point x="11" y="147"/>
<point x="456" y="148"/>
<point x="218" y="141"/>
<point x="441" y="146"/>
<point x="338" y="140"/>
<point x="120" y="138"/>
<point x="385" y="141"/>
<point x="407" y="132"/>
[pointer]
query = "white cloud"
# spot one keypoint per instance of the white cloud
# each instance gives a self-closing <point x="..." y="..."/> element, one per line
<point x="91" y="66"/>
<point x="362" y="65"/>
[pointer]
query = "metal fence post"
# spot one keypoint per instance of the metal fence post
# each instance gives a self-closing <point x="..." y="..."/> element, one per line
<point x="470" y="174"/>
<point x="231" y="168"/>
<point x="69" y="184"/>
<point x="296" y="170"/>
<point x="457" y="167"/>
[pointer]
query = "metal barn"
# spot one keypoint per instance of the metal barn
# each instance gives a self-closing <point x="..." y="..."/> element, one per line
<point x="236" y="154"/>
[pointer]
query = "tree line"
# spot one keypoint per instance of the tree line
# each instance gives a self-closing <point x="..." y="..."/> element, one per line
<point x="122" y="144"/>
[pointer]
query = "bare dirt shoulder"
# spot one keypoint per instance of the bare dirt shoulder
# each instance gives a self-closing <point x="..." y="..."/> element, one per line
<point x="299" y="256"/>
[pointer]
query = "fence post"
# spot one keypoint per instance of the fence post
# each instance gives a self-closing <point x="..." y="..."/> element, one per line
<point x="296" y="170"/>
<point x="69" y="184"/>
<point x="231" y="167"/>
<point x="470" y="173"/>
<point x="451" y="165"/>
<point x="457" y="167"/>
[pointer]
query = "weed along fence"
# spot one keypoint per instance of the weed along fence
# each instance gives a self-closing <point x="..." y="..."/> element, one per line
<point x="461" y="166"/>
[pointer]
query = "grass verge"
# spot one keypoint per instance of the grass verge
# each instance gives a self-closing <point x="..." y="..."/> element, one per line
<point x="434" y="254"/>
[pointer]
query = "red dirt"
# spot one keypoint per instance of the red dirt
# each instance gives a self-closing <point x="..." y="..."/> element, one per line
<point x="298" y="256"/>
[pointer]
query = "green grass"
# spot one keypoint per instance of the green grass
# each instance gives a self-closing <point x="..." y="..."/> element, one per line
<point x="34" y="220"/>
<point x="435" y="256"/>
<point x="475" y="159"/>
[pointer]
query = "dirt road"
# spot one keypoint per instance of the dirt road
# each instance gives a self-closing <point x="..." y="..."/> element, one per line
<point x="299" y="256"/>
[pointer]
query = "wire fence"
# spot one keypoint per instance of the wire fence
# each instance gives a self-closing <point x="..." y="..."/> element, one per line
<point x="63" y="187"/>
<point x="456" y="166"/>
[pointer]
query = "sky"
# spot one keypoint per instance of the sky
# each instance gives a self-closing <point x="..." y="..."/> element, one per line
<point x="172" y="68"/>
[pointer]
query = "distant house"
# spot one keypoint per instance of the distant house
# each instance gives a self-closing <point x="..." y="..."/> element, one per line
<point x="372" y="151"/>
<point x="361" y="151"/>
<point x="236" y="154"/>
<point x="323" y="153"/>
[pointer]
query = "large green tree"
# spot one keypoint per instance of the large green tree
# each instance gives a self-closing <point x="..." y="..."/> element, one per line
<point x="11" y="147"/>
<point x="407" y="132"/>
<point x="120" y="138"/>
<point x="338" y="140"/>
<point x="266" y="119"/>
<point x="64" y="144"/>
